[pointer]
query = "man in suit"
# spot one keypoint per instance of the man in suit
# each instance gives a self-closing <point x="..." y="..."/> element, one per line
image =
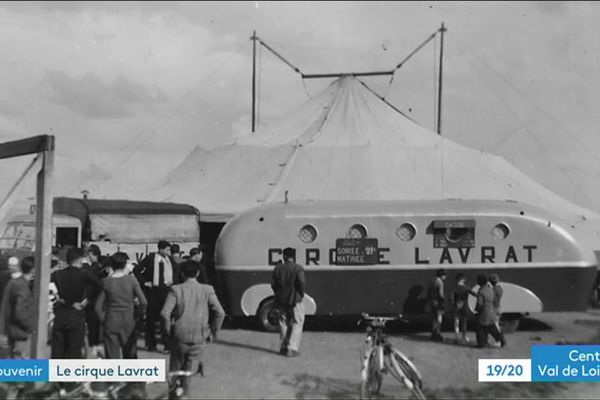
<point x="185" y="316"/>
<point x="18" y="306"/>
<point x="287" y="282"/>
<point x="156" y="273"/>
<point x="486" y="316"/>
<point x="75" y="288"/>
<point x="196" y="256"/>
<point x="92" y="266"/>
<point x="176" y="254"/>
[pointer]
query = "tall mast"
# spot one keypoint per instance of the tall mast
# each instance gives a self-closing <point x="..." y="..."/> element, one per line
<point x="439" y="105"/>
<point x="253" y="80"/>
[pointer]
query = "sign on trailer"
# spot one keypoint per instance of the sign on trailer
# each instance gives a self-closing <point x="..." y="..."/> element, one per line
<point x="356" y="251"/>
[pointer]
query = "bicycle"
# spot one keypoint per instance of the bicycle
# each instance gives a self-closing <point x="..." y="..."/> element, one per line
<point x="179" y="384"/>
<point x="381" y="357"/>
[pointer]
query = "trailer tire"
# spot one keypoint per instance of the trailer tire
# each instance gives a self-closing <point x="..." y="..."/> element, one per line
<point x="265" y="315"/>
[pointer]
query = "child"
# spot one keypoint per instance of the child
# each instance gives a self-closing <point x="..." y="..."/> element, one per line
<point x="115" y="309"/>
<point x="461" y="309"/>
<point x="185" y="318"/>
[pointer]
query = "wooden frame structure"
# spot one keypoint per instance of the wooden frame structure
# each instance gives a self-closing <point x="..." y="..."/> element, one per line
<point x="43" y="146"/>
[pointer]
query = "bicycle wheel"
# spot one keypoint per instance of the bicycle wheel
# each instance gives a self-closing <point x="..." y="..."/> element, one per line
<point x="408" y="369"/>
<point x="371" y="379"/>
<point x="404" y="371"/>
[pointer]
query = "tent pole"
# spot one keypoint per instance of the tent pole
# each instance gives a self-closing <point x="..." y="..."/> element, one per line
<point x="253" y="80"/>
<point x="439" y="108"/>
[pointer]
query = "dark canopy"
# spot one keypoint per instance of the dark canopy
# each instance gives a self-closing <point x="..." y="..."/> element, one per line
<point x="83" y="208"/>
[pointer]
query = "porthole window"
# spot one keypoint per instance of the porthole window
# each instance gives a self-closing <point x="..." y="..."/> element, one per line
<point x="500" y="231"/>
<point x="307" y="233"/>
<point x="357" y="231"/>
<point x="406" y="232"/>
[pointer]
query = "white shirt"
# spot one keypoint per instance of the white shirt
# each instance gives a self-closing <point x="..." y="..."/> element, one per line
<point x="168" y="270"/>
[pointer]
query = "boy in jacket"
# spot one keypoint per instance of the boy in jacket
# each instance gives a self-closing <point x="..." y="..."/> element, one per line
<point x="185" y="317"/>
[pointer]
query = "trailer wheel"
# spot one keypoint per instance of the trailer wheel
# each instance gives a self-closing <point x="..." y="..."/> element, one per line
<point x="509" y="323"/>
<point x="266" y="316"/>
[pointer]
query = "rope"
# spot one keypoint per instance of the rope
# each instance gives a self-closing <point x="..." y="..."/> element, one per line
<point x="524" y="96"/>
<point x="387" y="92"/>
<point x="306" y="89"/>
<point x="151" y="130"/>
<point x="412" y="53"/>
<point x="289" y="64"/>
<point x="401" y="63"/>
<point x="16" y="186"/>
<point x="527" y="130"/>
<point x="385" y="101"/>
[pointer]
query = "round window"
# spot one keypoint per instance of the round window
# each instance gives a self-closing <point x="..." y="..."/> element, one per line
<point x="500" y="231"/>
<point x="406" y="232"/>
<point x="307" y="234"/>
<point x="357" y="231"/>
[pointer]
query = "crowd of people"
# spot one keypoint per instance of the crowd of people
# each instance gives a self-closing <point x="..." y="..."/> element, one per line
<point x="111" y="300"/>
<point x="487" y="308"/>
<point x="168" y="297"/>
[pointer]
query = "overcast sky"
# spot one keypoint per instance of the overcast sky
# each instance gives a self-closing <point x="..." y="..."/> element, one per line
<point x="131" y="88"/>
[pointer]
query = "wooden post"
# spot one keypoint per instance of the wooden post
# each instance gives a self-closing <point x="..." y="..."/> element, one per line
<point x="439" y="116"/>
<point x="253" y="81"/>
<point x="43" y="250"/>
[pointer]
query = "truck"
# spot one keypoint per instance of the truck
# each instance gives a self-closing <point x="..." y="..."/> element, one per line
<point x="134" y="227"/>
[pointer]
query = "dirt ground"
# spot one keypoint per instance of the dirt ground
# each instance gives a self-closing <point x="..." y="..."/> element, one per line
<point x="244" y="362"/>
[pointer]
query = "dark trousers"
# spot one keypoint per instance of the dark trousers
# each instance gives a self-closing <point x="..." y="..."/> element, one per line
<point x="93" y="325"/>
<point x="114" y="343"/>
<point x="483" y="331"/>
<point x="20" y="349"/>
<point x="185" y="356"/>
<point x="156" y="299"/>
<point x="68" y="334"/>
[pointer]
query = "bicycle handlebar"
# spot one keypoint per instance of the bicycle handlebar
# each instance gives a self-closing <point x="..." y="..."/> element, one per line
<point x="380" y="319"/>
<point x="180" y="373"/>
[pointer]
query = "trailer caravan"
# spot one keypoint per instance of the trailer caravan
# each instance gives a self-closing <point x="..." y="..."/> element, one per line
<point x="378" y="256"/>
<point x="114" y="225"/>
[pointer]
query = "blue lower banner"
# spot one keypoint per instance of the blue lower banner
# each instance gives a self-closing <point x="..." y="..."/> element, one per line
<point x="83" y="370"/>
<point x="565" y="363"/>
<point x="24" y="370"/>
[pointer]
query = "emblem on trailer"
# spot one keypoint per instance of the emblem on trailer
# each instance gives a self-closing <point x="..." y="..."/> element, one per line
<point x="454" y="233"/>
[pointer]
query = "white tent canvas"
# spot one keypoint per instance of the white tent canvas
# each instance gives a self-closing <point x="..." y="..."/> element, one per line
<point x="347" y="144"/>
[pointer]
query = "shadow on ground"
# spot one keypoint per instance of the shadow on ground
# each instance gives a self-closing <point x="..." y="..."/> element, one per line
<point x="315" y="387"/>
<point x="520" y="390"/>
<point x="531" y="324"/>
<point x="310" y="387"/>
<point x="420" y="323"/>
<point x="229" y="343"/>
<point x="330" y="324"/>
